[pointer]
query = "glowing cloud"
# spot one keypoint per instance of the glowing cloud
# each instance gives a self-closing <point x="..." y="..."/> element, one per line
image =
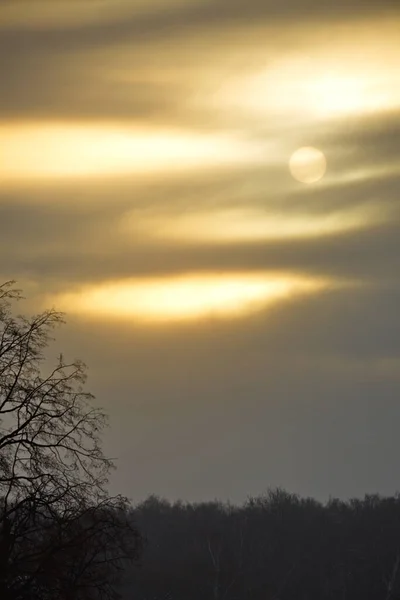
<point x="316" y="95"/>
<point x="244" y="224"/>
<point x="319" y="83"/>
<point x="184" y="297"/>
<point x="47" y="151"/>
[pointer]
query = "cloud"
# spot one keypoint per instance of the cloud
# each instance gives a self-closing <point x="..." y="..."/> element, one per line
<point x="132" y="67"/>
<point x="66" y="236"/>
<point x="79" y="231"/>
<point x="175" y="16"/>
<point x="303" y="394"/>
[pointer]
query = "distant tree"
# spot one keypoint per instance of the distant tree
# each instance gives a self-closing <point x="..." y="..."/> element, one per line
<point x="61" y="534"/>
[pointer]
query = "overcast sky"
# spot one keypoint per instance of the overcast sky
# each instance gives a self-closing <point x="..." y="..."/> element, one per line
<point x="242" y="328"/>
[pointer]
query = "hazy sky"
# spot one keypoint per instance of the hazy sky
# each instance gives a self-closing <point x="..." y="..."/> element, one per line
<point x="242" y="328"/>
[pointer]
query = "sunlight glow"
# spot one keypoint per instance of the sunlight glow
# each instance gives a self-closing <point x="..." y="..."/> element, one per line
<point x="244" y="224"/>
<point x="185" y="297"/>
<point x="43" y="151"/>
<point x="319" y="95"/>
<point x="319" y="85"/>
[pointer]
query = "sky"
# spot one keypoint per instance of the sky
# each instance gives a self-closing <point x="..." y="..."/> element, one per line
<point x="239" y="314"/>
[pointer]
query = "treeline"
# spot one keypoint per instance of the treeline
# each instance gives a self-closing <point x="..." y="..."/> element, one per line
<point x="275" y="547"/>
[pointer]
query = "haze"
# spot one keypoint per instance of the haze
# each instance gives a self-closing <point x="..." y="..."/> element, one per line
<point x="241" y="327"/>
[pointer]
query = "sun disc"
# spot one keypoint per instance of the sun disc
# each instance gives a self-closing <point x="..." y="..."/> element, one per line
<point x="307" y="164"/>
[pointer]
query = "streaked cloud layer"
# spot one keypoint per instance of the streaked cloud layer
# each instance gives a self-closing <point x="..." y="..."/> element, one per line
<point x="186" y="297"/>
<point x="144" y="169"/>
<point x="47" y="151"/>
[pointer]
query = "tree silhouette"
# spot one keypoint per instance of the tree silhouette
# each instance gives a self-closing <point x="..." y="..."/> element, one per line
<point x="61" y="534"/>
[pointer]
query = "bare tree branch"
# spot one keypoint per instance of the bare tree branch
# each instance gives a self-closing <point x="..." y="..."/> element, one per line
<point x="61" y="534"/>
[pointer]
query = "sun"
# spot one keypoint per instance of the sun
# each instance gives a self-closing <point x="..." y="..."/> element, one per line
<point x="307" y="164"/>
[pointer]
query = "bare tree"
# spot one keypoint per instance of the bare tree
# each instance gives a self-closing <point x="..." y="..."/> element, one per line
<point x="61" y="534"/>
